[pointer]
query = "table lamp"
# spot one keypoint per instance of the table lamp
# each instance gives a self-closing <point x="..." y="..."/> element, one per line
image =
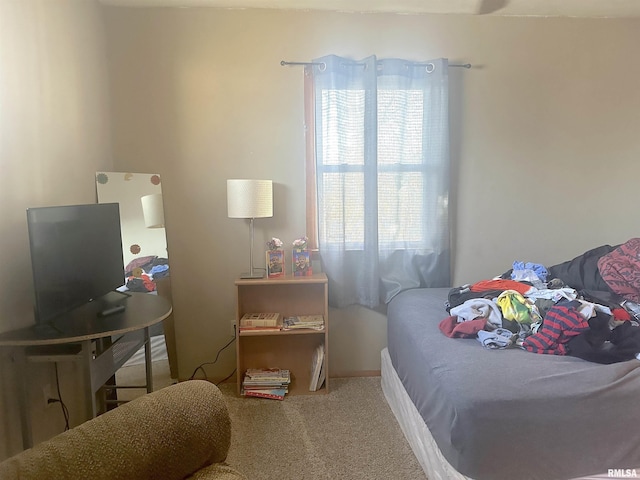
<point x="250" y="199"/>
<point x="153" y="211"/>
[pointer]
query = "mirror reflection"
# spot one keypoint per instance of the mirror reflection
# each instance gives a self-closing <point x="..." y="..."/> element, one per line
<point x="144" y="245"/>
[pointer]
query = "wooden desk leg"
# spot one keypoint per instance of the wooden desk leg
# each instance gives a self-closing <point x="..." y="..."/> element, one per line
<point x="20" y="361"/>
<point x="89" y="396"/>
<point x="147" y="360"/>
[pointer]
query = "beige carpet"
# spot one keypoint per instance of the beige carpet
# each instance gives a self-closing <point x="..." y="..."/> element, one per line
<point x="348" y="434"/>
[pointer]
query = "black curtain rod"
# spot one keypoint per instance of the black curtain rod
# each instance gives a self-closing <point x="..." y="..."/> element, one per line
<point x="285" y="63"/>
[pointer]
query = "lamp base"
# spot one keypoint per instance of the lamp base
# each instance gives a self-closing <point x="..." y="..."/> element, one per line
<point x="254" y="275"/>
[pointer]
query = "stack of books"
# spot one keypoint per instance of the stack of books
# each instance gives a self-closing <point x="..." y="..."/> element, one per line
<point x="260" y="322"/>
<point x="317" y="373"/>
<point x="266" y="383"/>
<point x="315" y="322"/>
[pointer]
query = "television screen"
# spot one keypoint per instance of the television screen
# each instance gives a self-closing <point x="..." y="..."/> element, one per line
<point x="76" y="256"/>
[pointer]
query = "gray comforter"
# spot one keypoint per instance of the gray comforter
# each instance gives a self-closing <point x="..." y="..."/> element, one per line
<point x="511" y="414"/>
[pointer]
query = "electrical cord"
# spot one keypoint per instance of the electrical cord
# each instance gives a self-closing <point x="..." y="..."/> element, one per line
<point x="226" y="378"/>
<point x="200" y="367"/>
<point x="65" y="410"/>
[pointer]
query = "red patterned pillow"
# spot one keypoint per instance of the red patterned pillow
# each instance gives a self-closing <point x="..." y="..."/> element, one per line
<point x="620" y="269"/>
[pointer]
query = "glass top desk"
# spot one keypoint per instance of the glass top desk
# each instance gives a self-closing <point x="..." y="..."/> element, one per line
<point x="101" y="344"/>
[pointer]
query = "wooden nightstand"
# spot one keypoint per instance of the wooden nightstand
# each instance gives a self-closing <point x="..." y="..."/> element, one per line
<point x="286" y="349"/>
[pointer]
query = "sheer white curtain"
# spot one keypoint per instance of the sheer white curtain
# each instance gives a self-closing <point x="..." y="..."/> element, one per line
<point x="382" y="173"/>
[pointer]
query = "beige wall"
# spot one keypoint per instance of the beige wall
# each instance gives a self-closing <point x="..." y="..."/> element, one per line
<point x="543" y="140"/>
<point x="54" y="135"/>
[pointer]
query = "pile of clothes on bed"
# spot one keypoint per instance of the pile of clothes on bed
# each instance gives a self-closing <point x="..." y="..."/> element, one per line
<point x="142" y="272"/>
<point x="588" y="307"/>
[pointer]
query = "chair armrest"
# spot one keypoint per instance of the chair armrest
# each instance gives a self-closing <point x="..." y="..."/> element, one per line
<point x="170" y="433"/>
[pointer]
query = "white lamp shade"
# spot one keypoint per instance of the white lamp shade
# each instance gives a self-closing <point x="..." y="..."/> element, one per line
<point x="153" y="210"/>
<point x="249" y="198"/>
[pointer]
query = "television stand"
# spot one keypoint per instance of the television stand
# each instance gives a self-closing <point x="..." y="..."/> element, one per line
<point x="101" y="345"/>
<point x="48" y="329"/>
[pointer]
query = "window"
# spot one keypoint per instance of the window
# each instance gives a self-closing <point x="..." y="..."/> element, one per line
<point x="378" y="150"/>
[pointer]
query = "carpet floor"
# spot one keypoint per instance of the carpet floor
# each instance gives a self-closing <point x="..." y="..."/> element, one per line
<point x="348" y="434"/>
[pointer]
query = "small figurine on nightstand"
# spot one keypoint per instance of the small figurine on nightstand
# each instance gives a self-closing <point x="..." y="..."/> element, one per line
<point x="275" y="258"/>
<point x="301" y="261"/>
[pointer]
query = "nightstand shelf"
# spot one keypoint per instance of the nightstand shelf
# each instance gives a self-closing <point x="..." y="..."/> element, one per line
<point x="287" y="349"/>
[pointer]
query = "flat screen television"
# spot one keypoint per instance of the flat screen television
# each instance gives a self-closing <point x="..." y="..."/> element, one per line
<point x="76" y="256"/>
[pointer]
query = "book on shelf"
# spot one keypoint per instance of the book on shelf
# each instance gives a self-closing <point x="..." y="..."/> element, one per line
<point x="315" y="322"/>
<point x="267" y="372"/>
<point x="260" y="320"/>
<point x="277" y="328"/>
<point x="269" y="386"/>
<point x="310" y="319"/>
<point x="266" y="383"/>
<point x="273" y="393"/>
<point x="322" y="376"/>
<point x="316" y="368"/>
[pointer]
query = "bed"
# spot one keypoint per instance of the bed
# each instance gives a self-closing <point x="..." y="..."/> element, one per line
<point x="472" y="412"/>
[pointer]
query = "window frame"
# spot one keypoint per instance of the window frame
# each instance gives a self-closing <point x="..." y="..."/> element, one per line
<point x="311" y="172"/>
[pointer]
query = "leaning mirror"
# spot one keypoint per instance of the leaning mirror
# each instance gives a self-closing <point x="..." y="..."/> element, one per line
<point x="144" y="244"/>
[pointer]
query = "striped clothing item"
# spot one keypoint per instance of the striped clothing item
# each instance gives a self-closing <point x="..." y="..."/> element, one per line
<point x="560" y="324"/>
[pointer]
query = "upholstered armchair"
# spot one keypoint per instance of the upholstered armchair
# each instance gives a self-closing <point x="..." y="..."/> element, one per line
<point x="182" y="431"/>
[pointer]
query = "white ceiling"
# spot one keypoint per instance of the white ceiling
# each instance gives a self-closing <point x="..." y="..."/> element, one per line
<point x="544" y="8"/>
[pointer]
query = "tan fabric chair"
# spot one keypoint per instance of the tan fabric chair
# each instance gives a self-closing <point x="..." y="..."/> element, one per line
<point x="181" y="431"/>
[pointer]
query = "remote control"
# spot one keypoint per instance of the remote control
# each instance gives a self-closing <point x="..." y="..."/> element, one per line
<point x="111" y="310"/>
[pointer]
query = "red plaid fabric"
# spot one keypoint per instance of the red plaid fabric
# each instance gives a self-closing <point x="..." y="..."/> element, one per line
<point x="560" y="324"/>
